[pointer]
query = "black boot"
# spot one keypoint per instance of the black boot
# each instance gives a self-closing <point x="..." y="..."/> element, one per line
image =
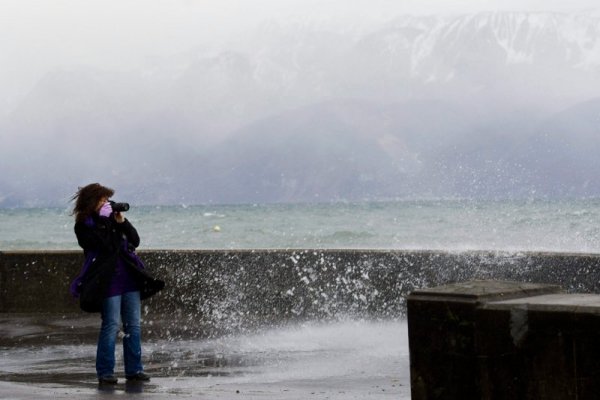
<point x="140" y="376"/>
<point x="107" y="380"/>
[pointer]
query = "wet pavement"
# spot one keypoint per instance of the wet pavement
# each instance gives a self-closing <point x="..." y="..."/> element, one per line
<point x="45" y="356"/>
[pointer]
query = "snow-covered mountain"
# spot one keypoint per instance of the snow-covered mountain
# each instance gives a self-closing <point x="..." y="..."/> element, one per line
<point x="436" y="45"/>
<point x="544" y="56"/>
<point x="419" y="106"/>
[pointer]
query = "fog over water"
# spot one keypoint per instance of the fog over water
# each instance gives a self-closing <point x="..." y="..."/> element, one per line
<point x="187" y="102"/>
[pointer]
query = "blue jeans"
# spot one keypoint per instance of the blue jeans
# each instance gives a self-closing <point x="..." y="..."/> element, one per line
<point x="126" y="307"/>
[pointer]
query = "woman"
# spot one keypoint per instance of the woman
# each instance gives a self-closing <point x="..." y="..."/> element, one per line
<point x="112" y="280"/>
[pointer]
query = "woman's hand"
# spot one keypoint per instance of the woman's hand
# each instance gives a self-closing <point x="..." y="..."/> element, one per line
<point x="120" y="218"/>
<point x="105" y="209"/>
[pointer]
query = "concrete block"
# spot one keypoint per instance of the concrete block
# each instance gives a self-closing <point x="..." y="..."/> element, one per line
<point x="540" y="347"/>
<point x="444" y="333"/>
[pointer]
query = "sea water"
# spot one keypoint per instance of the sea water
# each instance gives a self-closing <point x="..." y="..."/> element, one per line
<point x="454" y="225"/>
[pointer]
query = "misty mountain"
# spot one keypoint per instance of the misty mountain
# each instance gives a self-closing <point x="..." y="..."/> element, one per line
<point x="335" y="150"/>
<point x="484" y="105"/>
<point x="405" y="150"/>
<point x="566" y="148"/>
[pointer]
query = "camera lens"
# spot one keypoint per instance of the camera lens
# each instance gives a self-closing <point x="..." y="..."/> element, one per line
<point x="119" y="207"/>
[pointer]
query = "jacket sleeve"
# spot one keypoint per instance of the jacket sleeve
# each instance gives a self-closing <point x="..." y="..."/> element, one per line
<point x="130" y="232"/>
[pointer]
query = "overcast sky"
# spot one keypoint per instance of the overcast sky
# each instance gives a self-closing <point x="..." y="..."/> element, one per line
<point x="39" y="35"/>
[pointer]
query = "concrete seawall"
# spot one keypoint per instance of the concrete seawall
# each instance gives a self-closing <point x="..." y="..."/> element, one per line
<point x="497" y="340"/>
<point x="230" y="290"/>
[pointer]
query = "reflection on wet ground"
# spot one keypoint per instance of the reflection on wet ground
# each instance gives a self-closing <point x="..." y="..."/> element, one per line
<point x="343" y="360"/>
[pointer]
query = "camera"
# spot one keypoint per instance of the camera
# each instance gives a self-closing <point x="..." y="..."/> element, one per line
<point x="119" y="207"/>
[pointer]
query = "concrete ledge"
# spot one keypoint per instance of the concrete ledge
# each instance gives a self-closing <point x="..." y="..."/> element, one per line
<point x="481" y="291"/>
<point x="503" y="340"/>
<point x="572" y="303"/>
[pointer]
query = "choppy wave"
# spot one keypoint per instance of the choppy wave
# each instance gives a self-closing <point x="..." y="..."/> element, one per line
<point x="437" y="225"/>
